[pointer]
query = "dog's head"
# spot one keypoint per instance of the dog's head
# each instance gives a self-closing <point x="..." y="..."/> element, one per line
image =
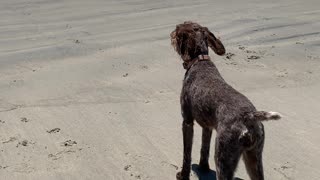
<point x="191" y="40"/>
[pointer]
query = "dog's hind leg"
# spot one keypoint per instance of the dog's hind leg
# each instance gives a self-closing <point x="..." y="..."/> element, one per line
<point x="253" y="160"/>
<point x="205" y="149"/>
<point x="227" y="155"/>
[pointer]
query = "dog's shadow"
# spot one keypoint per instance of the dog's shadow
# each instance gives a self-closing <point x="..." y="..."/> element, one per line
<point x="211" y="175"/>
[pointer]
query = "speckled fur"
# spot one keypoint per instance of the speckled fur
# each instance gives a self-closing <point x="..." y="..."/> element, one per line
<point x="214" y="104"/>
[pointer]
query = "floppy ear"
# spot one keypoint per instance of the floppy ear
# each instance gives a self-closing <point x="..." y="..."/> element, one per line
<point x="180" y="43"/>
<point x="214" y="43"/>
<point x="183" y="44"/>
<point x="173" y="37"/>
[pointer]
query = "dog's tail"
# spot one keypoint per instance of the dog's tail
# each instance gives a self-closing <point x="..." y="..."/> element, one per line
<point x="246" y="137"/>
<point x="264" y="116"/>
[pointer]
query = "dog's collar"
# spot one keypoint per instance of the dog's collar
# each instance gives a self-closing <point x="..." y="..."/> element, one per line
<point x="188" y="64"/>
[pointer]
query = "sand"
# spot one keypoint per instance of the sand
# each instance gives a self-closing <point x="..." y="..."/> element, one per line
<point x="90" y="89"/>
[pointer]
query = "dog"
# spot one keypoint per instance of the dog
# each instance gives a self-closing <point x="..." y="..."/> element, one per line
<point x="214" y="104"/>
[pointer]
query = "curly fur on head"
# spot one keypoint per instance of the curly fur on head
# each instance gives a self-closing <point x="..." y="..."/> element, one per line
<point x="191" y="40"/>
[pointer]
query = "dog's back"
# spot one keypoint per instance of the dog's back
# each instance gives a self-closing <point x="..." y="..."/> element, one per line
<point x="209" y="96"/>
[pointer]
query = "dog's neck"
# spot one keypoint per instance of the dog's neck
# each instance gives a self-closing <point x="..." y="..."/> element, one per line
<point x="188" y="64"/>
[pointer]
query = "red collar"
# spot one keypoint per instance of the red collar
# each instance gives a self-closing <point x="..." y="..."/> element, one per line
<point x="188" y="64"/>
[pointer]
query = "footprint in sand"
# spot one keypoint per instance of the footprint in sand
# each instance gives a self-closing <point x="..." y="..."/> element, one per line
<point x="3" y="167"/>
<point x="229" y="55"/>
<point x="253" y="57"/>
<point x="250" y="51"/>
<point x="282" y="73"/>
<point x="11" y="139"/>
<point x="68" y="150"/>
<point x="286" y="170"/>
<point x="242" y="47"/>
<point x="128" y="168"/>
<point x="68" y="143"/>
<point x="24" y="119"/>
<point x="54" y="130"/>
<point x="23" y="143"/>
<point x="144" y="67"/>
<point x="60" y="154"/>
<point x="20" y="143"/>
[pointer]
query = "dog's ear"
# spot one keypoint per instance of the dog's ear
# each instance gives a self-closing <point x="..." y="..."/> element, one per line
<point x="214" y="43"/>
<point x="179" y="40"/>
<point x="173" y="37"/>
<point x="183" y="43"/>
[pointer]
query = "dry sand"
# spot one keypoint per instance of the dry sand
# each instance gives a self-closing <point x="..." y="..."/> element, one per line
<point x="90" y="89"/>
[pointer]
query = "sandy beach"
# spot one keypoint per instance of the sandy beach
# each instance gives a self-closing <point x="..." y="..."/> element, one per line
<point x="89" y="90"/>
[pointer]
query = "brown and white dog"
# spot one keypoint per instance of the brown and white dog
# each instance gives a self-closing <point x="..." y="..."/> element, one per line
<point x="214" y="104"/>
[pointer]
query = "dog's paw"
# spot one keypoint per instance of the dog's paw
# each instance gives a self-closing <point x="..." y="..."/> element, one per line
<point x="204" y="167"/>
<point x="181" y="177"/>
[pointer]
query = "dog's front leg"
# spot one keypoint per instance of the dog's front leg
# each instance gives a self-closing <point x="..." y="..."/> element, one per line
<point x="187" y="129"/>
<point x="187" y="132"/>
<point x="205" y="149"/>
